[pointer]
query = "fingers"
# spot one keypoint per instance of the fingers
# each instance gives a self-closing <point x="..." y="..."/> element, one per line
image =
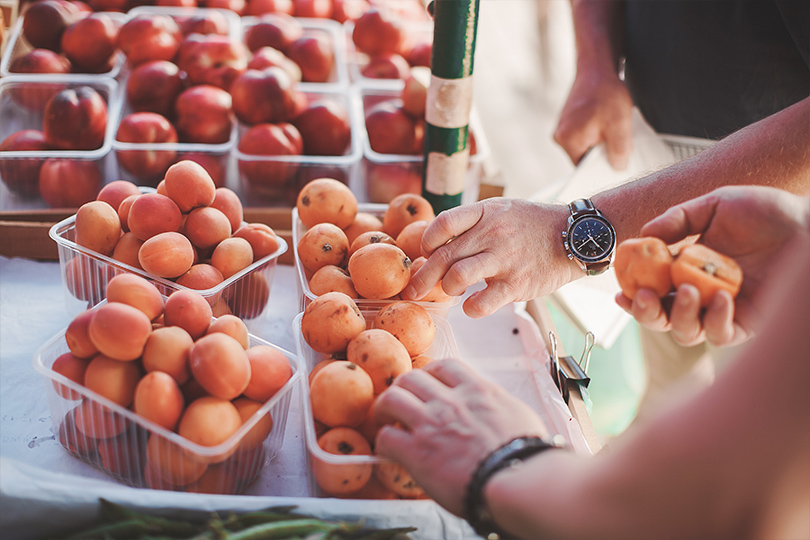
<point x="576" y="143"/>
<point x="619" y="143"/>
<point x="718" y="321"/>
<point x="393" y="443"/>
<point x="451" y="372"/>
<point x="487" y="301"/>
<point x="457" y="265"/>
<point x="648" y="310"/>
<point x="448" y="225"/>
<point x="397" y="404"/>
<point x="687" y="328"/>
<point x="687" y="219"/>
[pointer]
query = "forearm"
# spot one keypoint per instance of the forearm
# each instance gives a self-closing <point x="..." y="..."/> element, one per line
<point x="772" y="152"/>
<point x="598" y="33"/>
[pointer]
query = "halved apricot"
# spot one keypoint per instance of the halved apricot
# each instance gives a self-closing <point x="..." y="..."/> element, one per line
<point x="708" y="270"/>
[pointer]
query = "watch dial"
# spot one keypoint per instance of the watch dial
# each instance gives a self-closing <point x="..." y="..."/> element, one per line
<point x="591" y="238"/>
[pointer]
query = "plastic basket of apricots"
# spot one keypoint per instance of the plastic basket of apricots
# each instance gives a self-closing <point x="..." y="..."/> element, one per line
<point x="351" y="356"/>
<point x="157" y="393"/>
<point x="367" y="251"/>
<point x="186" y="234"/>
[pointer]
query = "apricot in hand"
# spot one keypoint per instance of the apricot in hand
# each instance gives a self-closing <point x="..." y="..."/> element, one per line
<point x="643" y="263"/>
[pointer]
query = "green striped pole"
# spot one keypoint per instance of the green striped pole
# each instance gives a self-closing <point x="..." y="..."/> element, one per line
<point x="449" y="102"/>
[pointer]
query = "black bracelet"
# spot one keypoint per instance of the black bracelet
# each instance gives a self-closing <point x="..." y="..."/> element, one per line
<point x="508" y="455"/>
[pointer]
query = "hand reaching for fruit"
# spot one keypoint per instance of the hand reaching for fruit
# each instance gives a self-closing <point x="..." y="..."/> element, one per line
<point x="750" y="226"/>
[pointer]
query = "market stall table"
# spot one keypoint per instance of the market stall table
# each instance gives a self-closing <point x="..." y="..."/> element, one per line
<point x="44" y="490"/>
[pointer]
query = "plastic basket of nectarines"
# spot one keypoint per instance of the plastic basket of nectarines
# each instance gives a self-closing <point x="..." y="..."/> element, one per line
<point x="351" y="355"/>
<point x="157" y="393"/>
<point x="367" y="251"/>
<point x="55" y="136"/>
<point x="178" y="244"/>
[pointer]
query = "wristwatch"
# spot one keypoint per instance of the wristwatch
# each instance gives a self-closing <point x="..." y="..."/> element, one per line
<point x="590" y="239"/>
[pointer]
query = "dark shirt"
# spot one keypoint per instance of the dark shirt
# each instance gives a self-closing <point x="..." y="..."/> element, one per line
<point x="706" y="68"/>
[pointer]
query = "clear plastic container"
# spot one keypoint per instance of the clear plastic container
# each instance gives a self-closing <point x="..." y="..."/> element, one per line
<point x="18" y="46"/>
<point x="22" y="105"/>
<point x="387" y="175"/>
<point x="85" y="274"/>
<point x="276" y="180"/>
<point x="434" y="308"/>
<point x="178" y="13"/>
<point x="115" y="439"/>
<point x="333" y="31"/>
<point x="444" y="346"/>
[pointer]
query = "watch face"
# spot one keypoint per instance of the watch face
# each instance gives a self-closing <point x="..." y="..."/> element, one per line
<point x="591" y="238"/>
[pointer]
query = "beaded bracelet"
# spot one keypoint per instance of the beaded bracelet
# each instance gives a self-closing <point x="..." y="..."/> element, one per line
<point x="508" y="455"/>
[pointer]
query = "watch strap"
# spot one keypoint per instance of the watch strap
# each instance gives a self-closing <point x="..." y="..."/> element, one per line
<point x="579" y="207"/>
<point x="509" y="455"/>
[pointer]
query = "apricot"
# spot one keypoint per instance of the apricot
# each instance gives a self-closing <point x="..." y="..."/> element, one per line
<point x="167" y="350"/>
<point x="127" y="249"/>
<point x="393" y="476"/>
<point x="123" y="211"/>
<point x="269" y="372"/>
<point x="342" y="478"/>
<point x="78" y="337"/>
<point x="643" y="263"/>
<point x="370" y="237"/>
<point x="231" y="256"/>
<point x="373" y="490"/>
<point x="326" y="200"/>
<point x="255" y="437"/>
<point x="116" y="191"/>
<point x="216" y="480"/>
<point x="206" y="227"/>
<point x="151" y="214"/>
<point x="709" y="271"/>
<point x="189" y="185"/>
<point x="319" y="366"/>
<point x="188" y="310"/>
<point x="167" y="255"/>
<point x="201" y="277"/>
<point x="232" y="326"/>
<point x="85" y="278"/>
<point x="120" y="459"/>
<point x="341" y="394"/>
<point x="379" y="271"/>
<point x="421" y="361"/>
<point x="409" y="323"/>
<point x="72" y="367"/>
<point x="120" y="331"/>
<point x="221" y="365"/>
<point x="409" y="239"/>
<point x="247" y="297"/>
<point x="172" y="463"/>
<point x="331" y="278"/>
<point x="436" y="294"/>
<point x="96" y="421"/>
<point x="330" y="321"/>
<point x="158" y="399"/>
<point x="137" y="292"/>
<point x="404" y="209"/>
<point x="73" y="440"/>
<point x="97" y="227"/>
<point x="381" y="355"/>
<point x="113" y="379"/>
<point x="324" y="243"/>
<point x="363" y="222"/>
<point x="262" y="239"/>
<point x="227" y="202"/>
<point x="209" y="421"/>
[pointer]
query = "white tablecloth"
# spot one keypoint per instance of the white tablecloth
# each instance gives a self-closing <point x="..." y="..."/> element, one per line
<point x="43" y="489"/>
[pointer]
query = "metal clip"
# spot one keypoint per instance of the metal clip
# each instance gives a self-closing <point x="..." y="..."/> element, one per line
<point x="565" y="368"/>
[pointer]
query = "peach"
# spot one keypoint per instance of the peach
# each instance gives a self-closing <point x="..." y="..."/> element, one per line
<point x="188" y="310"/>
<point x="262" y="239"/>
<point x="137" y="292"/>
<point x="258" y="433"/>
<point x="120" y="331"/>
<point x="269" y="372"/>
<point x="209" y="421"/>
<point x="404" y="209"/>
<point x="167" y="350"/>
<point x="247" y="297"/>
<point x="116" y="191"/>
<point x="330" y="321"/>
<point x="189" y="185"/>
<point x="381" y="355"/>
<point x="363" y="222"/>
<point x="379" y="271"/>
<point x="221" y="365"/>
<point x="324" y="243"/>
<point x="78" y="337"/>
<point x="167" y="255"/>
<point x="326" y="200"/>
<point x="127" y="249"/>
<point x="97" y="227"/>
<point x="409" y="323"/>
<point x="341" y="394"/>
<point x="158" y="399"/>
<point x="339" y="478"/>
<point x="331" y="278"/>
<point x="206" y="227"/>
<point x="227" y="202"/>
<point x="232" y="255"/>
<point x="409" y="239"/>
<point x="113" y="379"/>
<point x="232" y="326"/>
<point x="72" y="367"/>
<point x="151" y="214"/>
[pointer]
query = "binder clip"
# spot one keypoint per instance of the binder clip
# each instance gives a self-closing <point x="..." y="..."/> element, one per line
<point x="565" y="368"/>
